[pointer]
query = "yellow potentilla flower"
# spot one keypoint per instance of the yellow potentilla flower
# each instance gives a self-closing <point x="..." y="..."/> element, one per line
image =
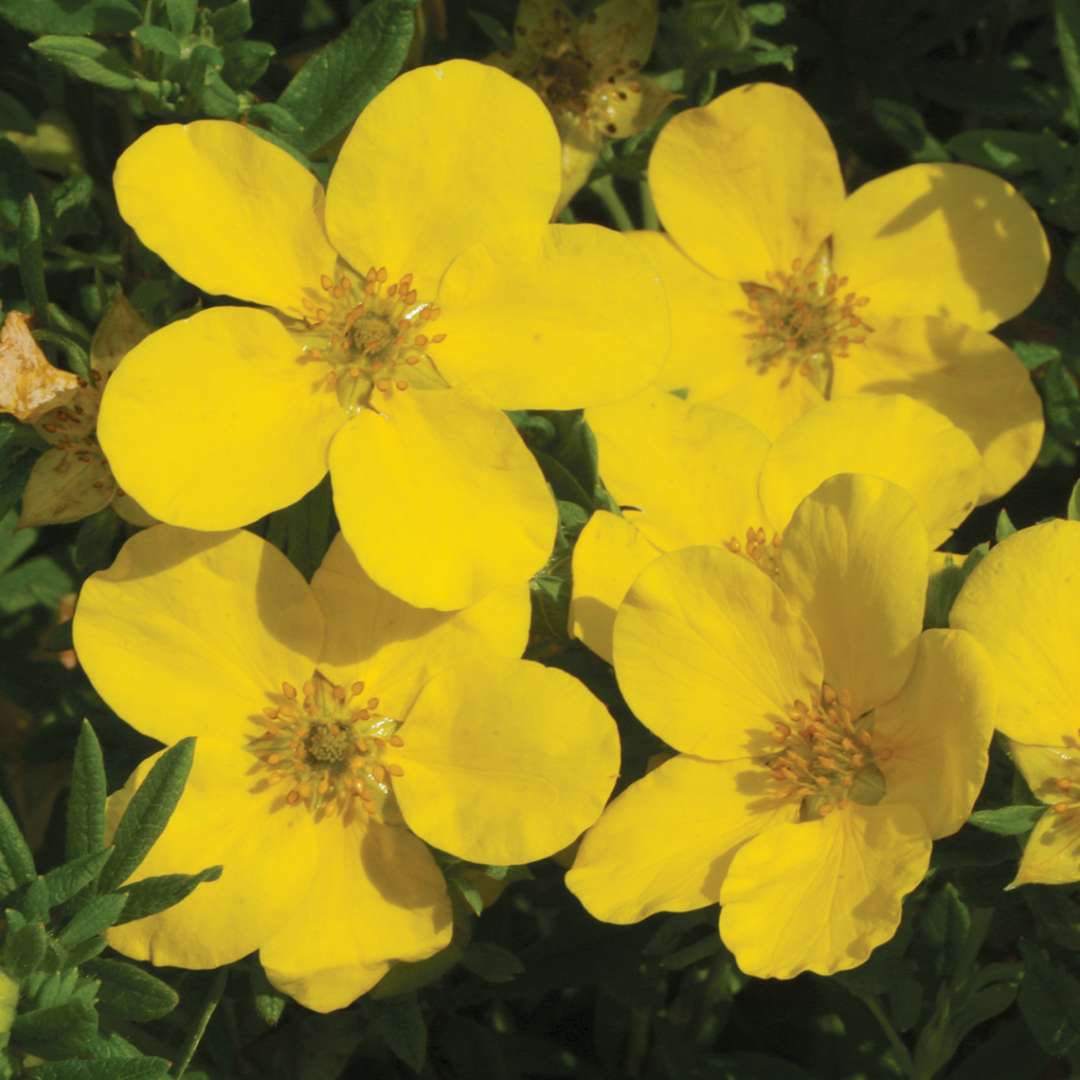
<point x="338" y="728"/>
<point x="688" y="473"/>
<point x="588" y="71"/>
<point x="72" y="479"/>
<point x="823" y="741"/>
<point x="1023" y="604"/>
<point x="423" y="294"/>
<point x="785" y="291"/>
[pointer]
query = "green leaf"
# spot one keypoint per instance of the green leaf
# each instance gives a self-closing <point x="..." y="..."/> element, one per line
<point x="148" y="813"/>
<point x="1073" y="509"/>
<point x="1034" y="354"/>
<point x="17" y="180"/>
<point x="231" y="21"/>
<point x="304" y="531"/>
<point x="154" y="894"/>
<point x="16" y="862"/>
<point x="32" y="256"/>
<point x="130" y="993"/>
<point x="34" y="905"/>
<point x="401" y="1024"/>
<point x="93" y="918"/>
<point x="71" y="877"/>
<point x="159" y="40"/>
<point x="56" y="1031"/>
<point x="86" y="800"/>
<point x="1004" y="527"/>
<point x="65" y="17"/>
<point x="904" y="125"/>
<point x="181" y="15"/>
<point x="329" y="91"/>
<point x="245" y="62"/>
<point x="493" y="30"/>
<point x="1012" y="153"/>
<point x="96" y="539"/>
<point x="14" y="115"/>
<point x="24" y="949"/>
<point x="88" y="60"/>
<point x="37" y="581"/>
<point x="491" y="962"/>
<point x="1007" y="820"/>
<point x="1067" y="32"/>
<point x="149" y="1068"/>
<point x="1049" y="1000"/>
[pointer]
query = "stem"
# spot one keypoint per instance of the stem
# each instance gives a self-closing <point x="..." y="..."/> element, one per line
<point x="895" y="1041"/>
<point x="604" y="190"/>
<point x="210" y="1003"/>
<point x="649" y="217"/>
<point x="705" y="1028"/>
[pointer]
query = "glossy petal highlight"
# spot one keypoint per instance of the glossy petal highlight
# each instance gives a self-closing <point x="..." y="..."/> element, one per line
<point x="853" y="564"/>
<point x="227" y="210"/>
<point x="212" y="421"/>
<point x="946" y="240"/>
<point x="821" y="895"/>
<point x="709" y="654"/>
<point x="666" y="842"/>
<point x="505" y="761"/>
<point x="890" y="436"/>
<point x="552" y="317"/>
<point x="1022" y="603"/>
<point x="186" y="633"/>
<point x="418" y="180"/>
<point x="439" y="498"/>
<point x="749" y="183"/>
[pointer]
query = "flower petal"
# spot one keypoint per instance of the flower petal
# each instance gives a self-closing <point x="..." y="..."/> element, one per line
<point x="505" y="761"/>
<point x="211" y="422"/>
<point x="709" y="654"/>
<point x="1022" y="603"/>
<point x="610" y="552"/>
<point x="976" y="381"/>
<point x="821" y="895"/>
<point x="772" y="400"/>
<point x="666" y="842"/>
<point x="533" y="316"/>
<point x="187" y="632"/>
<point x="420" y="177"/>
<point x="375" y="897"/>
<point x="1044" y="766"/>
<point x="707" y="335"/>
<point x="1052" y="853"/>
<point x="853" y="564"/>
<point x="218" y="821"/>
<point x="945" y="240"/>
<point x="890" y="436"/>
<point x="227" y="210"/>
<point x="749" y="183"/>
<point x="690" y="472"/>
<point x="374" y="636"/>
<point x="439" y="498"/>
<point x="931" y="741"/>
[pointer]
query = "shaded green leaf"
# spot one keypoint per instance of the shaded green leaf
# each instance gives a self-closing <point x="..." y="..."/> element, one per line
<point x="16" y="862"/>
<point x="94" y="917"/>
<point x="66" y="880"/>
<point x="158" y="39"/>
<point x="329" y="91"/>
<point x="131" y="993"/>
<point x="144" y="1068"/>
<point x="148" y="813"/>
<point x="56" y="1031"/>
<point x="491" y="962"/>
<point x="154" y="894"/>
<point x="86" y="800"/>
<point x="1007" y="820"/>
<point x="1049" y="1000"/>
<point x="65" y="17"/>
<point x="24" y="949"/>
<point x="400" y="1023"/>
<point x="32" y="256"/>
<point x="87" y="60"/>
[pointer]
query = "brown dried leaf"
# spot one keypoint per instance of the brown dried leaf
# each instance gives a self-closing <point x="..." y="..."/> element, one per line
<point x="29" y="385"/>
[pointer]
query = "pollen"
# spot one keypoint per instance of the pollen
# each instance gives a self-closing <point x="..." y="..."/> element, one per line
<point x="322" y="749"/>
<point x="824" y="755"/>
<point x="803" y="320"/>
<point x="762" y="551"/>
<point x="369" y="336"/>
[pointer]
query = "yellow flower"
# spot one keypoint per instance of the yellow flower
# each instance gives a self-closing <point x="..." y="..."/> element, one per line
<point x="796" y="292"/>
<point x="421" y="296"/>
<point x="588" y="71"/>
<point x="337" y="728"/>
<point x="72" y="479"/>
<point x="823" y="740"/>
<point x="689" y="474"/>
<point x="1023" y="604"/>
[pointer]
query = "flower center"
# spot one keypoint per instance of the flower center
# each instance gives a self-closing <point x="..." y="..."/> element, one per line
<point x="824" y="756"/>
<point x="762" y="552"/>
<point x="370" y="334"/>
<point x="804" y="319"/>
<point x="565" y="80"/>
<point x="327" y="749"/>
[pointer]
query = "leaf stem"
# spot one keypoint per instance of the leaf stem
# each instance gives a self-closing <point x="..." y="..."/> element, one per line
<point x="901" y="1051"/>
<point x="604" y="189"/>
<point x="210" y="1004"/>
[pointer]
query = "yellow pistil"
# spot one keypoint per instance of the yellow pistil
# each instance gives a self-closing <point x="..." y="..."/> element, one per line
<point x="824" y="756"/>
<point x="326" y="745"/>
<point x="372" y="334"/>
<point x="804" y="319"/>
<point x="759" y="549"/>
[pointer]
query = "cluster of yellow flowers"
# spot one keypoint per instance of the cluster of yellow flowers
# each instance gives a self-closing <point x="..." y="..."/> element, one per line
<point x="796" y="399"/>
